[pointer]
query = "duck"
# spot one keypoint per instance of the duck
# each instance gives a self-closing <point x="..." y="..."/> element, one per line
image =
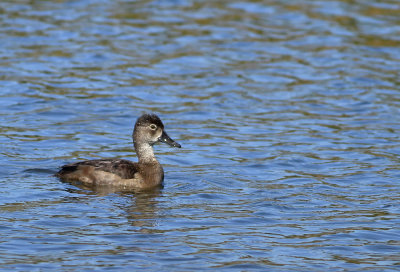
<point x="144" y="174"/>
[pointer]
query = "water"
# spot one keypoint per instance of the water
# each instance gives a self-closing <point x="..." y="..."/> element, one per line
<point x="288" y="114"/>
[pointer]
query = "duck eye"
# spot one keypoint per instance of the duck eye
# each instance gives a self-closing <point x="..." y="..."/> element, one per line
<point x="153" y="127"/>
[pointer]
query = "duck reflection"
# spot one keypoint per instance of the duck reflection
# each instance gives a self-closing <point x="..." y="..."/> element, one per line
<point x="139" y="206"/>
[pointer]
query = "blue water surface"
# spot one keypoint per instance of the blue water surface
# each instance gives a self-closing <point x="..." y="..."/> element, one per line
<point x="288" y="114"/>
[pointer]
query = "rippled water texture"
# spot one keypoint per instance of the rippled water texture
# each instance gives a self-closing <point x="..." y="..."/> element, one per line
<point x="288" y="113"/>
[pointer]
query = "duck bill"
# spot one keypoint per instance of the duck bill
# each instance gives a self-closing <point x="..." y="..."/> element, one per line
<point x="166" y="139"/>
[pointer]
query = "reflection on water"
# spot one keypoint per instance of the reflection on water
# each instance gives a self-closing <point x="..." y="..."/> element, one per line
<point x="288" y="114"/>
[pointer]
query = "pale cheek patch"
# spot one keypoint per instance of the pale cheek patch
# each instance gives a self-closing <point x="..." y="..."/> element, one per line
<point x="158" y="135"/>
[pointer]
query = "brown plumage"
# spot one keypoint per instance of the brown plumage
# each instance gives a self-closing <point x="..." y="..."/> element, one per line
<point x="146" y="173"/>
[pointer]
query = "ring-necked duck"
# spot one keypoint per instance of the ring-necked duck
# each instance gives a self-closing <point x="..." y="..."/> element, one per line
<point x="146" y="173"/>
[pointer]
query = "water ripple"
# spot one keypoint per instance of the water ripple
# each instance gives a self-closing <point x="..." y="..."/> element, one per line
<point x="287" y="114"/>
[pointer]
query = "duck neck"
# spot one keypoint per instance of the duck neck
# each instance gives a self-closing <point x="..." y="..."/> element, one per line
<point x="145" y="153"/>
